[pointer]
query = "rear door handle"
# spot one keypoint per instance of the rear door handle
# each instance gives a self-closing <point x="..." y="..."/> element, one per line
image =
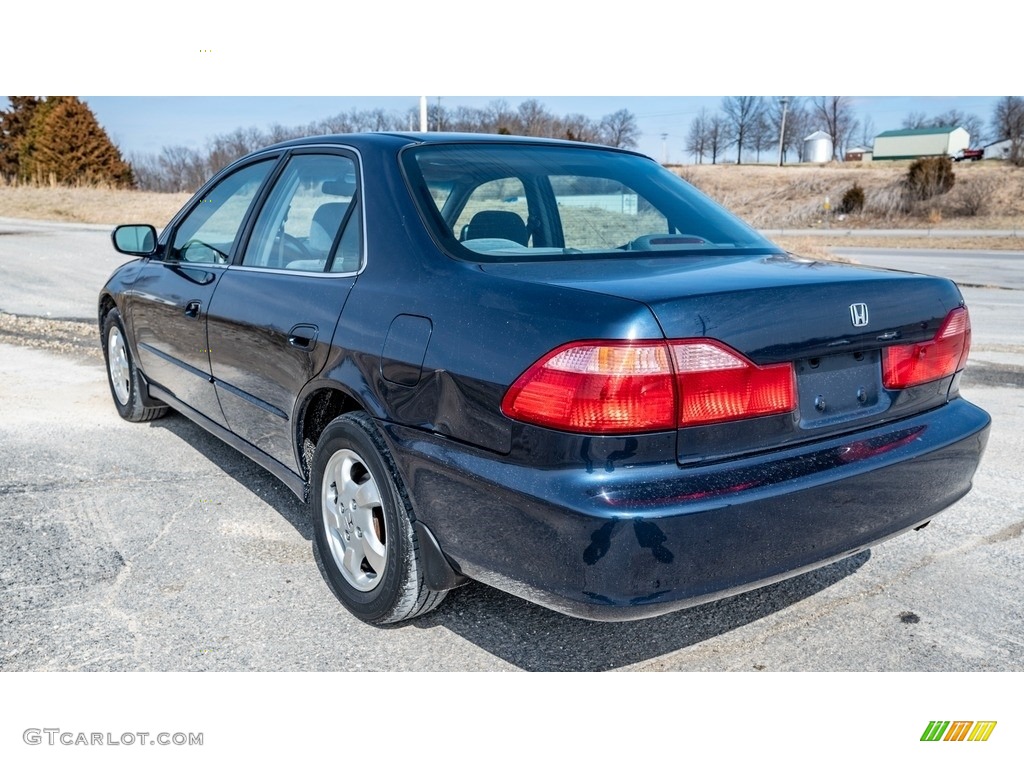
<point x="192" y="309"/>
<point x="303" y="337"/>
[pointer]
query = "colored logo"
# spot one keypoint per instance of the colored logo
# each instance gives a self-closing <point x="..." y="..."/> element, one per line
<point x="958" y="730"/>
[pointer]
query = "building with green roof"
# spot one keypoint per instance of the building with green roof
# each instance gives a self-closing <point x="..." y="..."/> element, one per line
<point x="912" y="143"/>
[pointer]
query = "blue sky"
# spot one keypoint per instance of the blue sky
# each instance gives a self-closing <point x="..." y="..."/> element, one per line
<point x="146" y="124"/>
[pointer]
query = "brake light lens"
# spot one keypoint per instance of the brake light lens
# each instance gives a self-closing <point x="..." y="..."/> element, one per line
<point x="718" y="384"/>
<point x="908" y="365"/>
<point x="608" y="387"/>
<point x="600" y="387"/>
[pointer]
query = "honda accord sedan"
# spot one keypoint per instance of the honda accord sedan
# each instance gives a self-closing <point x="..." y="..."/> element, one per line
<point x="551" y="367"/>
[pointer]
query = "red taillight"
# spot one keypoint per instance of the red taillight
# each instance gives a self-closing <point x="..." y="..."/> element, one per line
<point x="598" y="387"/>
<point x="718" y="384"/>
<point x="908" y="365"/>
<point x="620" y="387"/>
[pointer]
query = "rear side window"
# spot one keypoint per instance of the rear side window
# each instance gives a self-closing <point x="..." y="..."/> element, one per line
<point x="310" y="221"/>
<point x="507" y="202"/>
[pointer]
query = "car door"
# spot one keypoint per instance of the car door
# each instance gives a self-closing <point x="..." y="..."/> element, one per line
<point x="171" y="298"/>
<point x="273" y="316"/>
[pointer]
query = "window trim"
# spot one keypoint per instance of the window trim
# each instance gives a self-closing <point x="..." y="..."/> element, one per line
<point x="306" y="149"/>
<point x="171" y="231"/>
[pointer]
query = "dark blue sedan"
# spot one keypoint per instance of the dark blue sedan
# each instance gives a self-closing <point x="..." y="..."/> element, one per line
<point x="551" y="367"/>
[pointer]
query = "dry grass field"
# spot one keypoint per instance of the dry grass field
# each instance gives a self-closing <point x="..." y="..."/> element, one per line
<point x="89" y="205"/>
<point x="986" y="195"/>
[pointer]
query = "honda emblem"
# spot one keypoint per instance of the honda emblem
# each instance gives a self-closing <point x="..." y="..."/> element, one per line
<point x="859" y="315"/>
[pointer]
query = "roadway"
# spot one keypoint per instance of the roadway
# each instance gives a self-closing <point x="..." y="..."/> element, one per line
<point x="156" y="547"/>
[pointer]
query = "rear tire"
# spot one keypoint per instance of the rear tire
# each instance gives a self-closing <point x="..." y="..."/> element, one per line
<point x="122" y="373"/>
<point x="362" y="523"/>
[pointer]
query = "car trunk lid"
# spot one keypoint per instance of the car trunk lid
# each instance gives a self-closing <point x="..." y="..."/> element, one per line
<point x="830" y="321"/>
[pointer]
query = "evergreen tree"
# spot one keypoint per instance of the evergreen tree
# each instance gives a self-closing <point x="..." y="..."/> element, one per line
<point x="65" y="142"/>
<point x="14" y="124"/>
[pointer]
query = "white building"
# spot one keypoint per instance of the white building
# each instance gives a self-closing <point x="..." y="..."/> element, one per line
<point x="997" y="150"/>
<point x="912" y="143"/>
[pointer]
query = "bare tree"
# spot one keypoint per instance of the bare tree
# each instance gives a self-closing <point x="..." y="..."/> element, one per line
<point x="717" y="137"/>
<point x="437" y="116"/>
<point x="868" y="133"/>
<point x="741" y="114"/>
<point x="619" y="129"/>
<point x="836" y="112"/>
<point x="228" y="147"/>
<point x="339" y="123"/>
<point x="499" y="117"/>
<point x="915" y="120"/>
<point x="762" y="135"/>
<point x="1008" y="123"/>
<point x="534" y="119"/>
<point x="697" y="138"/>
<point x="175" y="169"/>
<point x="577" y="127"/>
<point x="954" y="118"/>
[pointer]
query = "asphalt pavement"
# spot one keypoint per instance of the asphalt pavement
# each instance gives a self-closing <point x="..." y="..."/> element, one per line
<point x="157" y="547"/>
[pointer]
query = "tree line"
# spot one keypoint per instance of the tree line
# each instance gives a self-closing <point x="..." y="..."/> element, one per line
<point x="181" y="168"/>
<point x="57" y="139"/>
<point x="756" y="125"/>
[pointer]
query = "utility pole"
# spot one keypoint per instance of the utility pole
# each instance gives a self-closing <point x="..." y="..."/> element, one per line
<point x="423" y="114"/>
<point x="664" y="149"/>
<point x="782" y="131"/>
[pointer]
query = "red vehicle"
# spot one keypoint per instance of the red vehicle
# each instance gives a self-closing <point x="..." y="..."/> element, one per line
<point x="969" y="154"/>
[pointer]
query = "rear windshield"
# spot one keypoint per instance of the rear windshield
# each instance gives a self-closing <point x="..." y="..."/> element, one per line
<point x="509" y="202"/>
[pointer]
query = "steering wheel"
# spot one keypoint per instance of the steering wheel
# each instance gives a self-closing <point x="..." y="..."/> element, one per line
<point x="288" y="248"/>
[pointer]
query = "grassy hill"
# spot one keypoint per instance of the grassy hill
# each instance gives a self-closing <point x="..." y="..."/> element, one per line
<point x="985" y="195"/>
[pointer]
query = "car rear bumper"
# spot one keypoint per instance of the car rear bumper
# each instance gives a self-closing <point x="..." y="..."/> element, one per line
<point x="642" y="541"/>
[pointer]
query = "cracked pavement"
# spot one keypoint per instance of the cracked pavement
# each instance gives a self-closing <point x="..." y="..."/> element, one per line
<point x="156" y="547"/>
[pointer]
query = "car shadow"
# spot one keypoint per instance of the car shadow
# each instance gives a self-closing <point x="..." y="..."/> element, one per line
<point x="521" y="633"/>
<point x="537" y="639"/>
<point x="242" y="469"/>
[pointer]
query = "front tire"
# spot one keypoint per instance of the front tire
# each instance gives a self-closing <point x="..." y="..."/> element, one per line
<point x="122" y="373"/>
<point x="362" y="524"/>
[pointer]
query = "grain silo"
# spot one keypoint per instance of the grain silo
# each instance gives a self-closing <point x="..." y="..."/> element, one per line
<point x="817" y="148"/>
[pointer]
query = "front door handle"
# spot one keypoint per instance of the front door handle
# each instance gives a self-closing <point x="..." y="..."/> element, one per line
<point x="303" y="337"/>
<point x="192" y="309"/>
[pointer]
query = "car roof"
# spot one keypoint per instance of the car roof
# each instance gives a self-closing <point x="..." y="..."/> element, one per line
<point x="398" y="139"/>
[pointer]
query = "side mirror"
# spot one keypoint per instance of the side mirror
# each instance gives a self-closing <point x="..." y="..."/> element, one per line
<point x="134" y="239"/>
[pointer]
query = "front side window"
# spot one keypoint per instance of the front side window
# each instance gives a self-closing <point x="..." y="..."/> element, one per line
<point x="207" y="234"/>
<point x="310" y="222"/>
<point x="507" y="202"/>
